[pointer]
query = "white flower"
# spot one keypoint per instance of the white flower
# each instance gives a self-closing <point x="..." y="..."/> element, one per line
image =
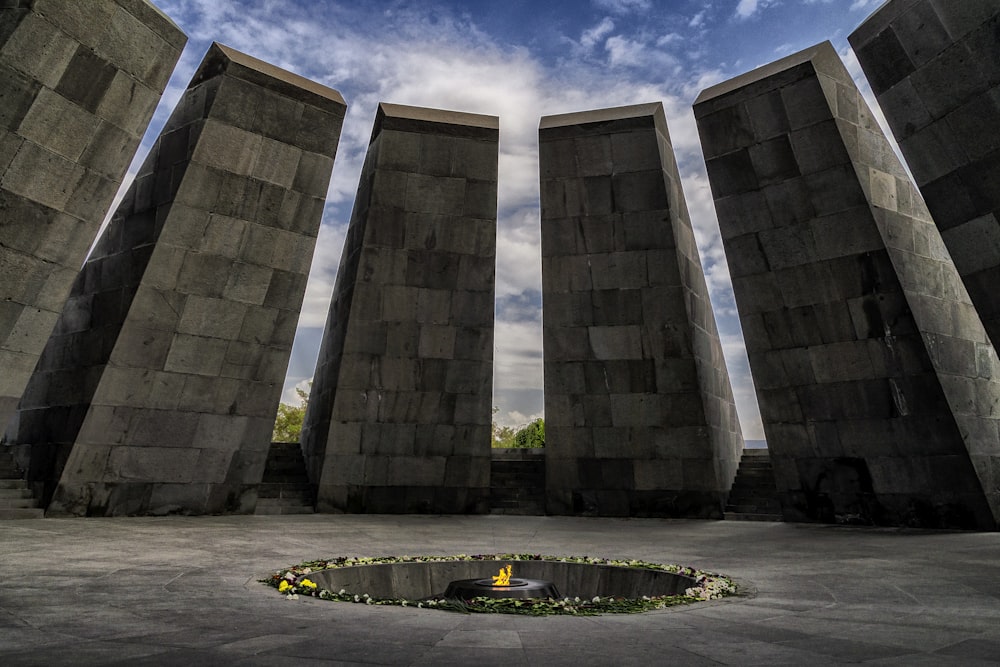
<point x="342" y="592"/>
<point x="357" y="598"/>
<point x="597" y="598"/>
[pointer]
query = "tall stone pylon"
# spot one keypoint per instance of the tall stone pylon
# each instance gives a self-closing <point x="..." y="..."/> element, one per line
<point x="79" y="82"/>
<point x="934" y="67"/>
<point x="878" y="387"/>
<point x="640" y="417"/>
<point x="400" y="413"/>
<point x="158" y="390"/>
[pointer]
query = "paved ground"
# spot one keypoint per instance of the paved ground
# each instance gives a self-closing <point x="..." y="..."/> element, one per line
<point x="183" y="591"/>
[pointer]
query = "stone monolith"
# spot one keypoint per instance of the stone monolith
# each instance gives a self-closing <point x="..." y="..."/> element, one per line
<point x="934" y="66"/>
<point x="640" y="418"/>
<point x="878" y="387"/>
<point x="400" y="411"/>
<point x="158" y="390"/>
<point x="79" y="82"/>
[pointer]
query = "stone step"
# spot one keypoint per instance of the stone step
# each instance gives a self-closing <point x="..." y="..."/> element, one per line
<point x="517" y="482"/>
<point x="292" y="478"/>
<point x="284" y="465"/>
<point x="23" y="492"/>
<point x="15" y="514"/>
<point x="13" y="484"/>
<point x="754" y="502"/>
<point x="776" y="518"/>
<point x="517" y="485"/>
<point x="517" y="465"/>
<point x="753" y="496"/>
<point x="279" y="490"/>
<point x="750" y="508"/>
<point x="285" y="487"/>
<point x="18" y="503"/>
<point x="516" y="495"/>
<point x="520" y="510"/>
<point x="272" y="506"/>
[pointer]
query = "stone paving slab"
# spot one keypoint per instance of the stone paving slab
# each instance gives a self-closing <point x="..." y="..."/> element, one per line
<point x="155" y="591"/>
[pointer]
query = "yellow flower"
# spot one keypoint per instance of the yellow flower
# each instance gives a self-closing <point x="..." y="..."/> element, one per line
<point x="284" y="586"/>
<point x="308" y="584"/>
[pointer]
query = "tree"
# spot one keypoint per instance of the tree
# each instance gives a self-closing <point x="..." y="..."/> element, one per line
<point x="288" y="425"/>
<point x="503" y="436"/>
<point x="532" y="435"/>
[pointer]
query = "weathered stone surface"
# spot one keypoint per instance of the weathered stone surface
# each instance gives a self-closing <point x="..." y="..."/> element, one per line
<point x="934" y="67"/>
<point x="73" y="108"/>
<point x="403" y="386"/>
<point x="878" y="387"/>
<point x="640" y="419"/>
<point x="158" y="390"/>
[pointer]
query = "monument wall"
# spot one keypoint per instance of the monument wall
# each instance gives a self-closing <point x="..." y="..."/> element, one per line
<point x="158" y="390"/>
<point x="934" y="66"/>
<point x="878" y="387"/>
<point x="400" y="413"/>
<point x="79" y="82"/>
<point x="640" y="418"/>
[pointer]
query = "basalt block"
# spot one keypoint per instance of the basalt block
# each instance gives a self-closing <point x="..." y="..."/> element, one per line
<point x="640" y="417"/>
<point x="158" y="390"/>
<point x="78" y="86"/>
<point x="400" y="413"/>
<point x="934" y="67"/>
<point x="878" y="387"/>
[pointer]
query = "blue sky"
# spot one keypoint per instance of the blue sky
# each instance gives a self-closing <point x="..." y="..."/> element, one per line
<point x="519" y="60"/>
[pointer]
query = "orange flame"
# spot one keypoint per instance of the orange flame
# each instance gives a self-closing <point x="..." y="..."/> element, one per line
<point x="502" y="579"/>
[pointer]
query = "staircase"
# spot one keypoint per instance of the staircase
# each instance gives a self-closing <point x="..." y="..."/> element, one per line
<point x="517" y="480"/>
<point x="754" y="496"/>
<point x="285" y="488"/>
<point x="16" y="499"/>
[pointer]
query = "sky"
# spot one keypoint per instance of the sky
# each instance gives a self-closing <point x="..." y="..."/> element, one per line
<point x="519" y="60"/>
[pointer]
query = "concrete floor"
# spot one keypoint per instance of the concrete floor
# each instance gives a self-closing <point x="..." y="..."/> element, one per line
<point x="183" y="591"/>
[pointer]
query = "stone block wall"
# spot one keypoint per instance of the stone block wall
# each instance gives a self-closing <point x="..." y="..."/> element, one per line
<point x="400" y="411"/>
<point x="878" y="387"/>
<point x="158" y="390"/>
<point x="640" y="417"/>
<point x="934" y="66"/>
<point x="79" y="82"/>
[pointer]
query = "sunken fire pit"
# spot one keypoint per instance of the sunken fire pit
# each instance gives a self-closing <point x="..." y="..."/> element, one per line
<point x="422" y="580"/>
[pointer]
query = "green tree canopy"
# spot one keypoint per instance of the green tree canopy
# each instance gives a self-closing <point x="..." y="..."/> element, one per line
<point x="288" y="425"/>
<point x="532" y="435"/>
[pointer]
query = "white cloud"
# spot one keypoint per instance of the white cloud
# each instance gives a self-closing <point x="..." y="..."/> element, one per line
<point x="623" y="6"/>
<point x="669" y="38"/>
<point x="747" y="8"/>
<point x="593" y="36"/>
<point x="864" y="4"/>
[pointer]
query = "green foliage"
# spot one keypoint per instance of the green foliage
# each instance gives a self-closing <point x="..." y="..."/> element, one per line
<point x="532" y="435"/>
<point x="503" y="436"/>
<point x="288" y="425"/>
<point x="508" y="437"/>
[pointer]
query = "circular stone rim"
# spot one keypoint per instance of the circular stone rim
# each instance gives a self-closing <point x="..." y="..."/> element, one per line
<point x="706" y="585"/>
